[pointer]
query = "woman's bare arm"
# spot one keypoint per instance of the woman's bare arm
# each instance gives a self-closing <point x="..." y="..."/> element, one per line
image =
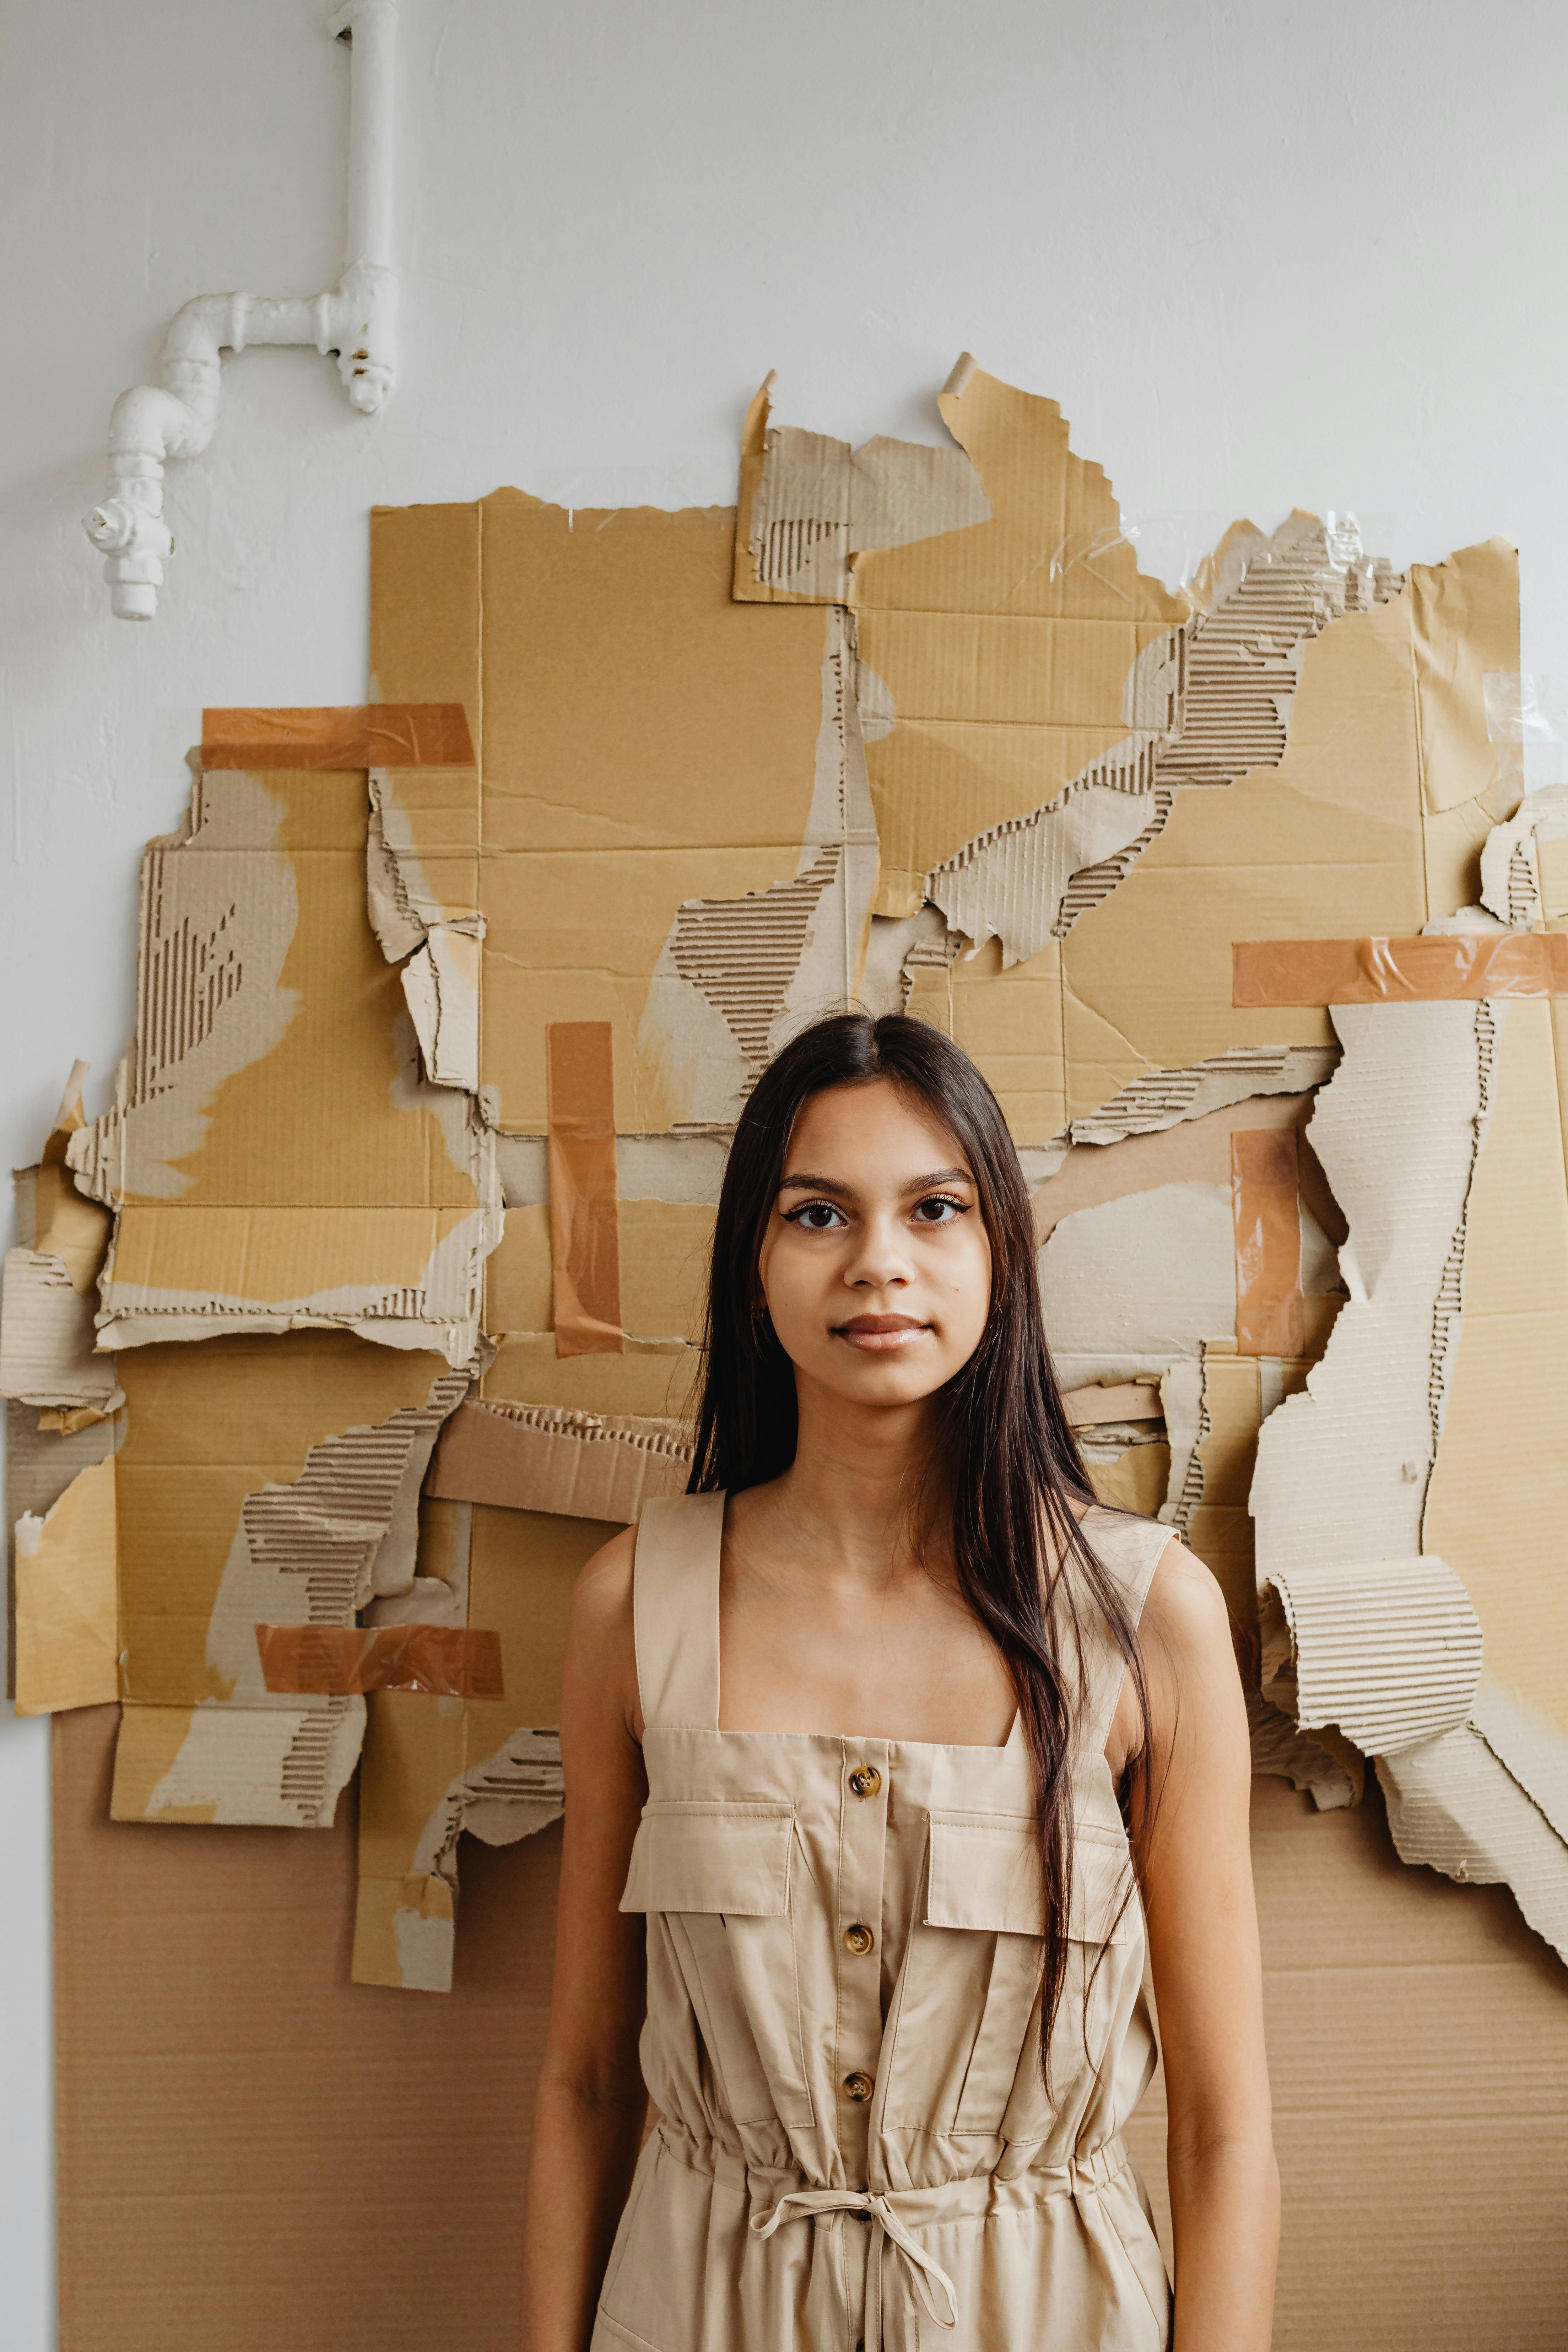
<point x="1191" y="1823"/>
<point x="588" y="2116"/>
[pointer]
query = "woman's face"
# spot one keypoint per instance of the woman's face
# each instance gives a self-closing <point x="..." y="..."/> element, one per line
<point x="876" y="1263"/>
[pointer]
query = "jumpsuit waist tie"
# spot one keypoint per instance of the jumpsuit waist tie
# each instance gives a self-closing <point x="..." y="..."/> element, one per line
<point x="919" y="2274"/>
<point x="922" y="2271"/>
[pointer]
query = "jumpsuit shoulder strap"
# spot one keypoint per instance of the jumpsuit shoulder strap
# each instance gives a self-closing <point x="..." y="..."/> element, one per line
<point x="1129" y="1550"/>
<point x="675" y="1610"/>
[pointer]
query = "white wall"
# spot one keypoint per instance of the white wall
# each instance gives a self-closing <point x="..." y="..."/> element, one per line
<point x="1263" y="255"/>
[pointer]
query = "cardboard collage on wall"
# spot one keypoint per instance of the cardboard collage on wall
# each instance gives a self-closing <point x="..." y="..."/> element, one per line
<point x="370" y="1306"/>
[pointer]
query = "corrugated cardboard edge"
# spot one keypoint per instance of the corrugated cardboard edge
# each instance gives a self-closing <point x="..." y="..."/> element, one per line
<point x="547" y="1458"/>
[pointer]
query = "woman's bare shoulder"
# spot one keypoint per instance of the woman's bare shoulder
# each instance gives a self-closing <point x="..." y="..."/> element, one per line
<point x="601" y="1648"/>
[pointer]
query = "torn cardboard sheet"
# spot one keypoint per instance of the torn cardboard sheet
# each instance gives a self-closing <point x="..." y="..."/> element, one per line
<point x="1265" y="1182"/>
<point x="240" y="1503"/>
<point x="369" y="735"/>
<point x="1278" y="1748"/>
<point x="335" y="1188"/>
<point x="1112" y="1401"/>
<point x="1387" y="1651"/>
<point x="1510" y="889"/>
<point x="686" y="1169"/>
<point x="48" y="1337"/>
<point x="449" y="1661"/>
<point x="543" y="1458"/>
<point x="816" y="504"/>
<point x="1136" y="1286"/>
<point x="584" y="1235"/>
<point x="1455" y="964"/>
<point x="1453" y="1805"/>
<point x="67" y="1651"/>
<point x="1214" y="697"/>
<point x="738" y="976"/>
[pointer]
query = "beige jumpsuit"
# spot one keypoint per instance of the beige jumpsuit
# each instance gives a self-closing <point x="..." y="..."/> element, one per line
<point x="853" y="2144"/>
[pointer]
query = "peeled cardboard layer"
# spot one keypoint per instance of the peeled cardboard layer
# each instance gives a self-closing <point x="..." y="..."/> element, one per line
<point x="48" y="1337"/>
<point x="370" y="735"/>
<point x="67" y="1639"/>
<point x="450" y="1661"/>
<point x="274" y="1767"/>
<point x="1388" y="1652"/>
<point x="543" y="1458"/>
<point x="1453" y="1804"/>
<point x="1381" y="971"/>
<point x="1162" y="1098"/>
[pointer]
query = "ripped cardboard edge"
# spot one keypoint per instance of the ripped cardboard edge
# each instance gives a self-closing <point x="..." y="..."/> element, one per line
<point x="337" y="1661"/>
<point x="48" y="1338"/>
<point x="1435" y="968"/>
<point x="276" y="1767"/>
<point x="343" y="737"/>
<point x="1454" y="1805"/>
<point x="582" y="1465"/>
<point x="1158" y="1099"/>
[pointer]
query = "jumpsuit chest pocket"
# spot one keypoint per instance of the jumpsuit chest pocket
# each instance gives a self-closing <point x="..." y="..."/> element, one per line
<point x="715" y="1878"/>
<point x="965" y="2017"/>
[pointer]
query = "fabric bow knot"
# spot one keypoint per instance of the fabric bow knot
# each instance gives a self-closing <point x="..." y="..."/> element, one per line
<point x="923" y="2271"/>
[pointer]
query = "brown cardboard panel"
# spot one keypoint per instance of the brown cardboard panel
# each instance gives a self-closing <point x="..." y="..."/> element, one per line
<point x="1010" y="1022"/>
<point x="1463" y="623"/>
<point x="223" y="2085"/>
<point x="425" y="612"/>
<point x="545" y="1459"/>
<point x="1112" y="1401"/>
<point x="666" y="1249"/>
<point x="1386" y="971"/>
<point x="1264" y="1183"/>
<point x="449" y="1661"/>
<point x="375" y="735"/>
<point x="1413" y="2027"/>
<point x="520" y="1279"/>
<point x="1135" y="1481"/>
<point x="584" y="1238"/>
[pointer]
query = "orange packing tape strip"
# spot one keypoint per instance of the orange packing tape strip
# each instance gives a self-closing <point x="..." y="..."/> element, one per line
<point x="585" y="1221"/>
<point x="336" y="1661"/>
<point x="1447" y="964"/>
<point x="1265" y="1187"/>
<point x="352" y="735"/>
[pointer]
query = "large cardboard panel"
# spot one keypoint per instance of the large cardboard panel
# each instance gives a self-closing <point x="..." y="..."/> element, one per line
<point x="366" y="2151"/>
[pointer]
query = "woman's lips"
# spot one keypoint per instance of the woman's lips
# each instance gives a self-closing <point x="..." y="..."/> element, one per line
<point x="877" y="1334"/>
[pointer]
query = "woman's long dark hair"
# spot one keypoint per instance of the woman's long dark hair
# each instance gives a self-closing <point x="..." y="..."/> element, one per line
<point x="1005" y="1466"/>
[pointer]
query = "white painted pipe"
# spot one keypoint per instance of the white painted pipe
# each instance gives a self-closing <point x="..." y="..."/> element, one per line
<point x="356" y="319"/>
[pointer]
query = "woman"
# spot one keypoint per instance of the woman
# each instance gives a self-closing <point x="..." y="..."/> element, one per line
<point x="851" y="1733"/>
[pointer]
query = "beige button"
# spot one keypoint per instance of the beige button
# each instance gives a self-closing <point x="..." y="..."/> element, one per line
<point x="859" y="2087"/>
<point x="865" y="1779"/>
<point x="859" y="1939"/>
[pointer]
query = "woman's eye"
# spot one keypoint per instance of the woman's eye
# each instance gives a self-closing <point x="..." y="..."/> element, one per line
<point x="816" y="1216"/>
<point x="939" y="1209"/>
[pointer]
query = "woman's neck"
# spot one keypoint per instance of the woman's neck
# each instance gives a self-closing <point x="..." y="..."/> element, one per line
<point x="855" y="1471"/>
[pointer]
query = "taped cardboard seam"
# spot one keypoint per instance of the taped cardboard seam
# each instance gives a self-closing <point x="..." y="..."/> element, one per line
<point x="448" y="1661"/>
<point x="1265" y="1181"/>
<point x="371" y="735"/>
<point x="1433" y="969"/>
<point x="67" y="1640"/>
<point x="547" y="1458"/>
<point x="584" y="1227"/>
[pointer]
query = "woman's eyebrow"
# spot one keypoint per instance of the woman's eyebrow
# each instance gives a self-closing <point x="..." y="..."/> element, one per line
<point x="942" y="1176"/>
<point x="817" y="1184"/>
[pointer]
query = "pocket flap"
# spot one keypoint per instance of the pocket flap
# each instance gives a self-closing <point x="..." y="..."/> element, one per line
<point x="985" y="1874"/>
<point x="710" y="1857"/>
